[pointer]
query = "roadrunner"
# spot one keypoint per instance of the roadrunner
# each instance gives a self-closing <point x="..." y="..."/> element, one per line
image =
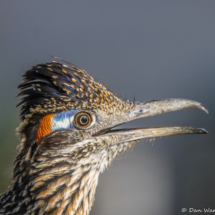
<point x="67" y="138"/>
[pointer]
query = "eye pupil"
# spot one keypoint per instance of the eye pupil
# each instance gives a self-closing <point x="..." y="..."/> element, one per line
<point x="84" y="120"/>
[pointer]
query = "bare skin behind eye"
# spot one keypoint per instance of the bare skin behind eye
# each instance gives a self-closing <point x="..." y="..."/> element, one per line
<point x="44" y="128"/>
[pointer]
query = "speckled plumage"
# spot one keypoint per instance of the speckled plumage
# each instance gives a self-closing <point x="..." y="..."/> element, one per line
<point x="60" y="174"/>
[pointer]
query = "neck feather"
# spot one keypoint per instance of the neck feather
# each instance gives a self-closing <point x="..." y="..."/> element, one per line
<point x="54" y="186"/>
<point x="58" y="179"/>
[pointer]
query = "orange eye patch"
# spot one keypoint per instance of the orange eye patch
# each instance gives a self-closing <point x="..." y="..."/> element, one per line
<point x="53" y="122"/>
<point x="44" y="127"/>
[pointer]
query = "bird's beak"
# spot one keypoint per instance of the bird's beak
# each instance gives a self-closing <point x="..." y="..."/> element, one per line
<point x="152" y="108"/>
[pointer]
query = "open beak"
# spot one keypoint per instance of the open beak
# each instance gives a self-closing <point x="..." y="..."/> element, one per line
<point x="152" y="108"/>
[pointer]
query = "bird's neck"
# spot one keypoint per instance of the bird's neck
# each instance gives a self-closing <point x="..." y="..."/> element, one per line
<point x="57" y="179"/>
<point x="52" y="186"/>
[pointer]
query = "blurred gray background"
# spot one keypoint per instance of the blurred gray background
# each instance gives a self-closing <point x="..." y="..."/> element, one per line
<point x="142" y="49"/>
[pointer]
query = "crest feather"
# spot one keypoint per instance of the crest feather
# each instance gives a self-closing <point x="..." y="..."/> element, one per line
<point x="55" y="84"/>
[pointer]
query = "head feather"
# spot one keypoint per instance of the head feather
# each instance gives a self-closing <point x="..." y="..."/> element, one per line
<point x="55" y="87"/>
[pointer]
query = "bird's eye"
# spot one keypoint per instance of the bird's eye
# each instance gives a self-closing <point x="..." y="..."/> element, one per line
<point x="83" y="120"/>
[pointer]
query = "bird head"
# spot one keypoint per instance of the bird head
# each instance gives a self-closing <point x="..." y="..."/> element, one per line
<point x="68" y="133"/>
